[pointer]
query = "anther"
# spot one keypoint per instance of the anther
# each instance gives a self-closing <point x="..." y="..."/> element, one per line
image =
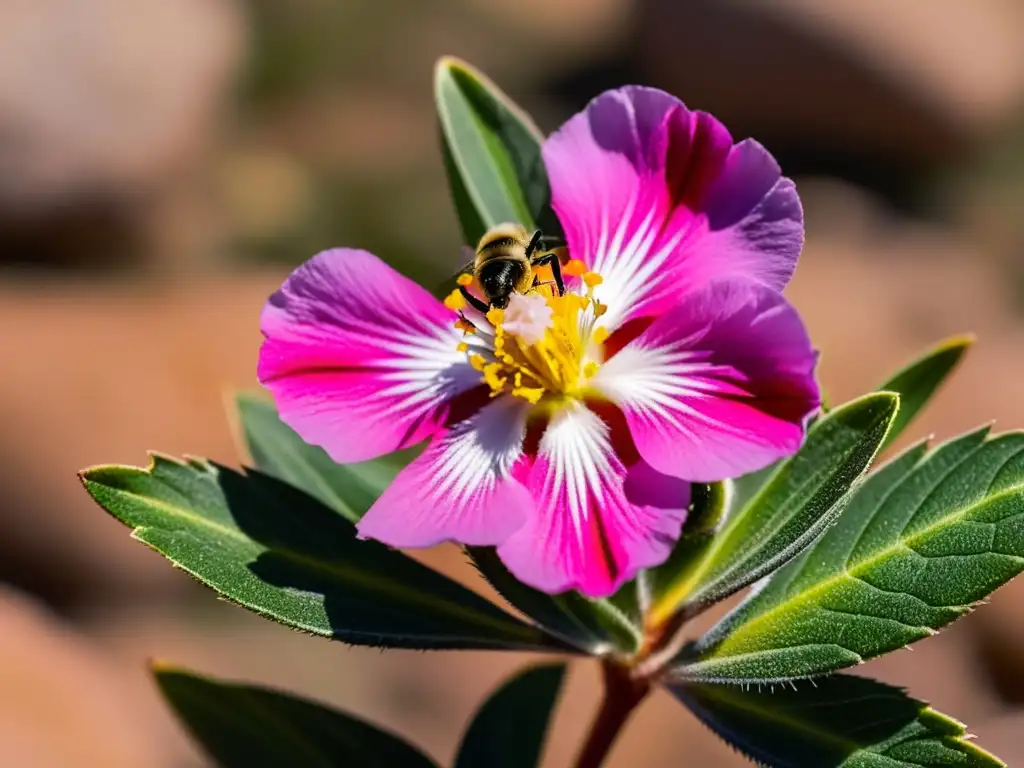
<point x="575" y="267"/>
<point x="455" y="301"/>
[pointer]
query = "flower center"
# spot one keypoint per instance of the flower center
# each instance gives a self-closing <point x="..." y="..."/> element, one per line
<point x="543" y="345"/>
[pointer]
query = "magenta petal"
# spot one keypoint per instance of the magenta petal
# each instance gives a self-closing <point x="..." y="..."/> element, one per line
<point x="658" y="199"/>
<point x="360" y="359"/>
<point x="719" y="386"/>
<point x="645" y="486"/>
<point x="460" y="488"/>
<point x="586" y="531"/>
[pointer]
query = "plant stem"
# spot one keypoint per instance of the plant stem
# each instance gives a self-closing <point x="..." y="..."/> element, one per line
<point x="622" y="693"/>
<point x="668" y="640"/>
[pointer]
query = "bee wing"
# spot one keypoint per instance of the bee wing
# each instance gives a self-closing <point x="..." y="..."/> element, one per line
<point x="468" y="260"/>
<point x="468" y="256"/>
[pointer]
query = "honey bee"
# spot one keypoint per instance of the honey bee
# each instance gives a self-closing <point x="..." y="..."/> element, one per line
<point x="506" y="258"/>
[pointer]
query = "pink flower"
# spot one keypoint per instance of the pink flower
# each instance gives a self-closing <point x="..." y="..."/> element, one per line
<point x="568" y="437"/>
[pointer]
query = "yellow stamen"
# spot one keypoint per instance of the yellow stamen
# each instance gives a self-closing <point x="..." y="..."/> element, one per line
<point x="455" y="300"/>
<point x="464" y="280"/>
<point x="531" y="395"/>
<point x="548" y="362"/>
<point x="592" y="279"/>
<point x="575" y="301"/>
<point x="493" y="379"/>
<point x="462" y="346"/>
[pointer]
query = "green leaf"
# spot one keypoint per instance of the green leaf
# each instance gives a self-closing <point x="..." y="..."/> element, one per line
<point x="492" y="153"/>
<point x="592" y="626"/>
<point x="470" y="219"/>
<point x="508" y="731"/>
<point x="800" y="501"/>
<point x="282" y="554"/>
<point x="836" y="721"/>
<point x="277" y="450"/>
<point x="918" y="381"/>
<point x="242" y="726"/>
<point x="743" y="489"/>
<point x="915" y="384"/>
<point x="918" y="543"/>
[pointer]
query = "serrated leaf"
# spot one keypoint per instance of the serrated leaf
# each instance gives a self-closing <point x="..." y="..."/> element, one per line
<point x="277" y="450"/>
<point x="492" y="153"/>
<point x="916" y="383"/>
<point x="919" y="380"/>
<point x="840" y="721"/>
<point x="281" y="553"/>
<point x="918" y="543"/>
<point x="592" y="626"/>
<point x="509" y="729"/>
<point x="242" y="726"/>
<point x="800" y="501"/>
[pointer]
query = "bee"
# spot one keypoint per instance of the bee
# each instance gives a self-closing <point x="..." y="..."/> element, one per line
<point x="505" y="261"/>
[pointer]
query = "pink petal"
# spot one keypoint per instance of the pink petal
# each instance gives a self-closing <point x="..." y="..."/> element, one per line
<point x="657" y="199"/>
<point x="586" y="530"/>
<point x="360" y="359"/>
<point x="720" y="386"/>
<point x="460" y="488"/>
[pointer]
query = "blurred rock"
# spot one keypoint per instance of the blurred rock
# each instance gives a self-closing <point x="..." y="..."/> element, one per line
<point x="104" y="108"/>
<point x="101" y="375"/>
<point x="63" y="703"/>
<point x="557" y="27"/>
<point x="964" y="58"/>
<point x="108" y="96"/>
<point x="1002" y="736"/>
<point x="998" y="627"/>
<point x="872" y="90"/>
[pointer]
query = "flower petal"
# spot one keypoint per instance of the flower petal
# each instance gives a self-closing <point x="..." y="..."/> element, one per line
<point x="584" y="532"/>
<point x="360" y="359"/>
<point x="460" y="488"/>
<point x="657" y="199"/>
<point x="720" y="386"/>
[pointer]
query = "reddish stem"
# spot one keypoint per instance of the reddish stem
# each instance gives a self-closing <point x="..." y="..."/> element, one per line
<point x="622" y="694"/>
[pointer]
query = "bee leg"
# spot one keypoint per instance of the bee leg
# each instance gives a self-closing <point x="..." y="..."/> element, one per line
<point x="474" y="302"/>
<point x="551" y="260"/>
<point x="534" y="243"/>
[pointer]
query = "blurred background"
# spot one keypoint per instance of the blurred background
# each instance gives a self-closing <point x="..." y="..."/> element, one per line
<point x="164" y="164"/>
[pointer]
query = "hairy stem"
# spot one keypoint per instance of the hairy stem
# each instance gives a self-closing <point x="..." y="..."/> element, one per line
<point x="622" y="693"/>
<point x="668" y="640"/>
